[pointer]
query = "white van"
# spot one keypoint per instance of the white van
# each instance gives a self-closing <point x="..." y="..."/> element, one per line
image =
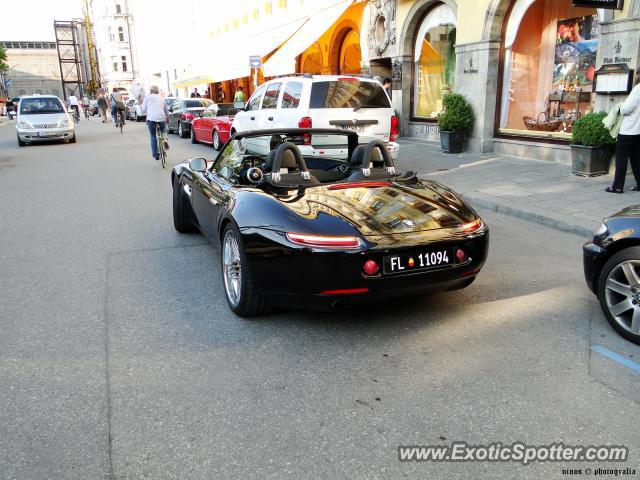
<point x="322" y="101"/>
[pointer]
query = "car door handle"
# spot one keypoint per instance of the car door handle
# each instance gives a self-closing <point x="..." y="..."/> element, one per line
<point x="187" y="189"/>
<point x="252" y="118"/>
<point x="270" y="119"/>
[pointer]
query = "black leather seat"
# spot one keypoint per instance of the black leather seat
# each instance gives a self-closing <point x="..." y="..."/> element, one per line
<point x="286" y="166"/>
<point x="377" y="166"/>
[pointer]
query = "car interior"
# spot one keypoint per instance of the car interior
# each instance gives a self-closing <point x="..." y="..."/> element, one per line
<point x="286" y="164"/>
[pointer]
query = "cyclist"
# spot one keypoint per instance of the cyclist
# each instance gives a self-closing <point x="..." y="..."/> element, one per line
<point x="75" y="105"/>
<point x="157" y="112"/>
<point x="117" y="106"/>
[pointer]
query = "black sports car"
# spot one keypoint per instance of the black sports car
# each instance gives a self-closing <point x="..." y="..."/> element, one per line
<point x="308" y="218"/>
<point x="612" y="270"/>
<point x="182" y="112"/>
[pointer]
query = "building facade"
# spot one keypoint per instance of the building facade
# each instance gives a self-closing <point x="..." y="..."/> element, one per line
<point x="114" y="32"/>
<point x="528" y="67"/>
<point x="33" y="68"/>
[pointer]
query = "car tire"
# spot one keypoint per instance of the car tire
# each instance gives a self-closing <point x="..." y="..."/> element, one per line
<point x="193" y="135"/>
<point x="215" y="141"/>
<point x="20" y="142"/>
<point x="239" y="288"/>
<point x="625" y="291"/>
<point x="183" y="219"/>
<point x="181" y="131"/>
<point x="73" y="139"/>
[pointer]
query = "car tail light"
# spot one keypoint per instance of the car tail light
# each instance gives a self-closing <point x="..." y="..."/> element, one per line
<point x="461" y="255"/>
<point x="324" y="241"/>
<point x="395" y="129"/>
<point x="472" y="226"/>
<point x="306" y="122"/>
<point x="188" y="116"/>
<point x="371" y="267"/>
<point x="344" y="186"/>
<point x="345" y="291"/>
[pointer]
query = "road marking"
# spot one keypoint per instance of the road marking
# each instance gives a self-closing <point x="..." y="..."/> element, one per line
<point x="605" y="352"/>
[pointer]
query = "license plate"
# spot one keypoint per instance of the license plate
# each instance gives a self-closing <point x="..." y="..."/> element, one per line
<point x="48" y="134"/>
<point x="419" y="260"/>
<point x="355" y="128"/>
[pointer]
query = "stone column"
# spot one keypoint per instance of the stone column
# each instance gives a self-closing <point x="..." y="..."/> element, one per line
<point x="477" y="79"/>
<point x="619" y="43"/>
<point x="402" y="79"/>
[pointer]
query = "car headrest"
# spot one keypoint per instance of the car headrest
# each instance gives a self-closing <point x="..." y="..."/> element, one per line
<point x="377" y="161"/>
<point x="357" y="157"/>
<point x="289" y="160"/>
<point x="268" y="163"/>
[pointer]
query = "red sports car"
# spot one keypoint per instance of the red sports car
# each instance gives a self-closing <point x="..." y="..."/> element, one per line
<point x="213" y="125"/>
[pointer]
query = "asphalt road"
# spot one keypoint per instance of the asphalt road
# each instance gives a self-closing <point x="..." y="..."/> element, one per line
<point x="119" y="358"/>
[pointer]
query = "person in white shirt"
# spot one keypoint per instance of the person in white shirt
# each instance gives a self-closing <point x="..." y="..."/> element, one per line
<point x="157" y="114"/>
<point x="628" y="141"/>
<point x="74" y="104"/>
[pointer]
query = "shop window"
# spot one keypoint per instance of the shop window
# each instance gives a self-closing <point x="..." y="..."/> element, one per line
<point x="550" y="50"/>
<point x="350" y="53"/>
<point x="121" y="34"/>
<point x="434" y="61"/>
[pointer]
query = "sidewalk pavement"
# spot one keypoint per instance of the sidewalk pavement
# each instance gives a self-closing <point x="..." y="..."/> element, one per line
<point x="540" y="191"/>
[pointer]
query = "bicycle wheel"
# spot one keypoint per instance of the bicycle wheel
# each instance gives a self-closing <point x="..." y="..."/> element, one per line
<point x="160" y="143"/>
<point x="121" y="121"/>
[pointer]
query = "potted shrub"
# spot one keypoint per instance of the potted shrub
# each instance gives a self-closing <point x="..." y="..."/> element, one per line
<point x="455" y="121"/>
<point x="591" y="145"/>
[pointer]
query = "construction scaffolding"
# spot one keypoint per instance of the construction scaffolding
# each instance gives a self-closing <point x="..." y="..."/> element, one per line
<point x="68" y="58"/>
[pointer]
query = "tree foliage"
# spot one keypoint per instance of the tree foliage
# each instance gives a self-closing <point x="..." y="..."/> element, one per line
<point x="457" y="114"/>
<point x="589" y="130"/>
<point x="4" y="66"/>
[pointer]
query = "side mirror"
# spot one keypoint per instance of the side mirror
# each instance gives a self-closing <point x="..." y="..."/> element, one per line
<point x="198" y="164"/>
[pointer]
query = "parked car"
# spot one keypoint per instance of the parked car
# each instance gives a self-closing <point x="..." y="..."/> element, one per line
<point x="183" y="111"/>
<point x="169" y="101"/>
<point x="42" y="118"/>
<point x="612" y="270"/>
<point x="302" y="231"/>
<point x="93" y="108"/>
<point x="322" y="101"/>
<point x="213" y="126"/>
<point x="134" y="111"/>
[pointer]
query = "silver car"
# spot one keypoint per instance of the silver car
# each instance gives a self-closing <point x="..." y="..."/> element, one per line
<point x="43" y="118"/>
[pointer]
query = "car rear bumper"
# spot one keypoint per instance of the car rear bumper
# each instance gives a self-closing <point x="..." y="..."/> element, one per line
<point x="593" y="259"/>
<point x="312" y="279"/>
<point x="32" y="135"/>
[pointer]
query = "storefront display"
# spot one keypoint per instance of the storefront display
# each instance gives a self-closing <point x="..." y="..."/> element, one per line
<point x="549" y="67"/>
<point x="434" y="61"/>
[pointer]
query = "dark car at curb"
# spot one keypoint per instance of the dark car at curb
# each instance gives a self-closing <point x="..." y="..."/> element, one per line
<point x="183" y="111"/>
<point x="612" y="270"/>
<point x="303" y="230"/>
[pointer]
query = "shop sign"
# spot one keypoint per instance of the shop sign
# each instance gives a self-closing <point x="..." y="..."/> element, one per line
<point x="255" y="61"/>
<point x="617" y="48"/>
<point x="610" y="4"/>
<point x="470" y="68"/>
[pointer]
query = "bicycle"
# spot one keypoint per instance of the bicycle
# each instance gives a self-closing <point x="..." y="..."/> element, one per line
<point x="119" y="119"/>
<point x="162" y="153"/>
<point x="76" y="114"/>
<point x="86" y="113"/>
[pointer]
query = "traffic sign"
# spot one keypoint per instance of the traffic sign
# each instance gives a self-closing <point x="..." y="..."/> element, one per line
<point x="255" y="61"/>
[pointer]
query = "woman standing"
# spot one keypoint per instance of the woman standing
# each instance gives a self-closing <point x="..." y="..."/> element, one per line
<point x="628" y="142"/>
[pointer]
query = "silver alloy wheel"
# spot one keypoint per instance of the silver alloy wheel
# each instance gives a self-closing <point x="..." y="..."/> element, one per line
<point x="623" y="295"/>
<point x="216" y="140"/>
<point x="232" y="268"/>
<point x="180" y="129"/>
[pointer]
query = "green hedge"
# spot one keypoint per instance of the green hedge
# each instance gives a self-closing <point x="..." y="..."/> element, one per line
<point x="589" y="130"/>
<point x="457" y="114"/>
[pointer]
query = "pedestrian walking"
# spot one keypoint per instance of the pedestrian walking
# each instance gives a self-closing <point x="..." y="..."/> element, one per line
<point x="220" y="94"/>
<point x="195" y="93"/>
<point x="386" y="84"/>
<point x="102" y="106"/>
<point x="239" y="95"/>
<point x="628" y="141"/>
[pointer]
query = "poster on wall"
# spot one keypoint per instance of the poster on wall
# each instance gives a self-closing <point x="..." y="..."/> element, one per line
<point x="575" y="56"/>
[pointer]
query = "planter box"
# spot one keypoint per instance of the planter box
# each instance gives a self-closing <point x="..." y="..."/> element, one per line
<point x="590" y="161"/>
<point x="452" y="142"/>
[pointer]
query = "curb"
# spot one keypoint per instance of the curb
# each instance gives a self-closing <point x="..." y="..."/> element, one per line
<point x="530" y="216"/>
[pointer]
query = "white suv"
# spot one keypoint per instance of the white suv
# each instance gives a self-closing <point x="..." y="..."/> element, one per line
<point x="322" y="101"/>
